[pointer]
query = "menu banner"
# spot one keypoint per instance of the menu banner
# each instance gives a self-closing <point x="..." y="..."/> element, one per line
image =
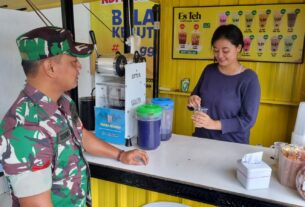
<point x="272" y="32"/>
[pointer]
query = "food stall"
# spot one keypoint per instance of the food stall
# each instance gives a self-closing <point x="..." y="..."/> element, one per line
<point x="192" y="168"/>
<point x="198" y="171"/>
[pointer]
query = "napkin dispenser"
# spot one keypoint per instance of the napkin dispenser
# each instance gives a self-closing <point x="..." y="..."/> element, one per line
<point x="253" y="175"/>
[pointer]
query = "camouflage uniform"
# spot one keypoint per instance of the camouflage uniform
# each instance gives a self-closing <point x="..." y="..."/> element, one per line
<point x="40" y="140"/>
<point x="38" y="133"/>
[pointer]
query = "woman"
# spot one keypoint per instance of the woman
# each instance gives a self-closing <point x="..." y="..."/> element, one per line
<point x="230" y="91"/>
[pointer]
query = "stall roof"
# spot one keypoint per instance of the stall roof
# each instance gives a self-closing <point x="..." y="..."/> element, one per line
<point x="41" y="4"/>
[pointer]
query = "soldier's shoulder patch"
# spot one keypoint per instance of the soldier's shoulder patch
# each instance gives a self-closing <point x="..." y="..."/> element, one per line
<point x="41" y="166"/>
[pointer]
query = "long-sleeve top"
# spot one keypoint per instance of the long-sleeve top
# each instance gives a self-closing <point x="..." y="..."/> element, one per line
<point x="232" y="99"/>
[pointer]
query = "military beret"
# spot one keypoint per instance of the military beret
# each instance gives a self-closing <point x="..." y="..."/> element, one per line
<point x="44" y="42"/>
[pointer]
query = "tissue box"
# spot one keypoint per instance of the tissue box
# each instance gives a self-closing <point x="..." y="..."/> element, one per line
<point x="254" y="176"/>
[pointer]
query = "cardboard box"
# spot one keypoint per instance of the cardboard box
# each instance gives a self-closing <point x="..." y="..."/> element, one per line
<point x="254" y="176"/>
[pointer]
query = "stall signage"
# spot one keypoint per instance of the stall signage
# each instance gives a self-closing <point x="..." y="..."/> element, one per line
<point x="110" y="37"/>
<point x="272" y="32"/>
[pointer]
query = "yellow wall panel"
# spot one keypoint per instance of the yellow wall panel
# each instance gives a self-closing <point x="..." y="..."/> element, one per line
<point x="103" y="195"/>
<point x="282" y="84"/>
<point x="119" y="195"/>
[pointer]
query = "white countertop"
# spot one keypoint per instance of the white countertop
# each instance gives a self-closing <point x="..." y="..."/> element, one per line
<point x="206" y="163"/>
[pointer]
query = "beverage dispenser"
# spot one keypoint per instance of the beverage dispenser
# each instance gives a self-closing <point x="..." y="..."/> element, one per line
<point x="120" y="88"/>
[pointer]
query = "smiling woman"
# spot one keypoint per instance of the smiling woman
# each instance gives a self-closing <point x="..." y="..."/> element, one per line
<point x="229" y="91"/>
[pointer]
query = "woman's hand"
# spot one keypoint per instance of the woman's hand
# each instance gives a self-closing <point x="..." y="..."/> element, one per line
<point x="201" y="119"/>
<point x="134" y="157"/>
<point x="194" y="101"/>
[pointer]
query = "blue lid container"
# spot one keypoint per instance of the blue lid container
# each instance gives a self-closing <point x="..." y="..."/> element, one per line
<point x="167" y="105"/>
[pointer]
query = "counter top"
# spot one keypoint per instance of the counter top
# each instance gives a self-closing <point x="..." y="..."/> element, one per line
<point x="199" y="165"/>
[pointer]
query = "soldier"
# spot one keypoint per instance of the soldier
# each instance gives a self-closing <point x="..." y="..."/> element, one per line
<point x="42" y="139"/>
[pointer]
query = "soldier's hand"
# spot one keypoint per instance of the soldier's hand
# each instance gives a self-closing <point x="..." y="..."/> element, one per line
<point x="134" y="157"/>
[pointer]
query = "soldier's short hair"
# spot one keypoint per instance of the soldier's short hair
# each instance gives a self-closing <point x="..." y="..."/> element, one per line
<point x="30" y="68"/>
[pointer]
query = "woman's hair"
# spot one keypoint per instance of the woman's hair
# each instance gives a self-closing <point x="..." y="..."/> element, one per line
<point x="229" y="32"/>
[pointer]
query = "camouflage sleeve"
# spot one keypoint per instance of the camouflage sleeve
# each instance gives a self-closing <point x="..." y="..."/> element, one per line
<point x="28" y="145"/>
<point x="31" y="183"/>
<point x="27" y="160"/>
<point x="28" y="149"/>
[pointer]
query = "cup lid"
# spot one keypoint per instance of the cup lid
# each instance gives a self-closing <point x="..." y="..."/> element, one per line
<point x="163" y="101"/>
<point x="149" y="109"/>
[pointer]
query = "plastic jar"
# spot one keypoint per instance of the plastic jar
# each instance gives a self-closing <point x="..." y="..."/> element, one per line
<point x="149" y="126"/>
<point x="167" y="105"/>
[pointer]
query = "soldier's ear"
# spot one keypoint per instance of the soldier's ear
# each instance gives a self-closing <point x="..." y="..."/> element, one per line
<point x="48" y="68"/>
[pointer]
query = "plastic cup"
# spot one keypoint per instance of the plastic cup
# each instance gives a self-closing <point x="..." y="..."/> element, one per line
<point x="201" y="109"/>
<point x="277" y="146"/>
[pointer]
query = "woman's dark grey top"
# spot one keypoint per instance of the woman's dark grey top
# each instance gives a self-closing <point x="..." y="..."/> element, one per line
<point x="234" y="100"/>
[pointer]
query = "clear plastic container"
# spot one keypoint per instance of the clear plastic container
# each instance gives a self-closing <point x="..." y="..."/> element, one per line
<point x="167" y="105"/>
<point x="291" y="160"/>
<point x="149" y="126"/>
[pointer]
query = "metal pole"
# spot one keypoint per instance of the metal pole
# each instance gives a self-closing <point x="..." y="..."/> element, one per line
<point x="128" y="22"/>
<point x="156" y="59"/>
<point x="68" y="23"/>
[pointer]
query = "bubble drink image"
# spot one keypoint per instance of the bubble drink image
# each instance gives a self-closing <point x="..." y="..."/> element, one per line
<point x="247" y="44"/>
<point x="260" y="44"/>
<point x="235" y="19"/>
<point x="275" y="41"/>
<point x="249" y="20"/>
<point x="195" y="36"/>
<point x="222" y="19"/>
<point x="288" y="44"/>
<point x="291" y="18"/>
<point x="277" y="19"/>
<point x="182" y="35"/>
<point x="262" y="17"/>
